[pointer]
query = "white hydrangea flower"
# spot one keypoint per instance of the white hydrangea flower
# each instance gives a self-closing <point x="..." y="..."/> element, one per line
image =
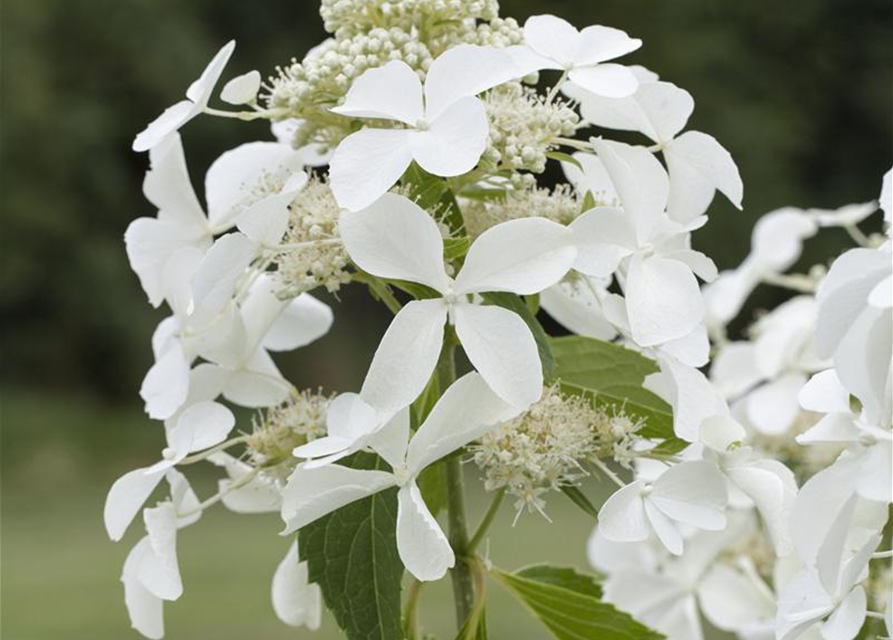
<point x="467" y="410"/>
<point x="396" y="239"/>
<point x="445" y="123"/>
<point x="197" y="96"/>
<point x="553" y="43"/>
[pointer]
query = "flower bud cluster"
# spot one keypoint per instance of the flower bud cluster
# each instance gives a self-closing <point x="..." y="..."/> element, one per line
<point x="278" y="430"/>
<point x="312" y="256"/>
<point x="345" y="18"/>
<point x="560" y="205"/>
<point x="543" y="449"/>
<point x="523" y="126"/>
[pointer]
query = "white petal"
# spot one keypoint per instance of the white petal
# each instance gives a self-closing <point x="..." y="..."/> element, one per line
<point x="823" y="393"/>
<point x="777" y="238"/>
<point x="834" y="427"/>
<point x="720" y="432"/>
<point x="311" y="494"/>
<point x="145" y="610"/>
<point x="552" y="37"/>
<point x="692" y="349"/>
<point x="575" y="306"/>
<point x="734" y="371"/>
<point x="848" y="618"/>
<point x="522" y="256"/>
<point x="772" y="487"/>
<point x="691" y="395"/>
<point x="200" y="91"/>
<point x="773" y="407"/>
<point x="639" y="178"/>
<point x="424" y="549"/>
<point x="622" y="517"/>
<point x="885" y="201"/>
<point x="322" y="448"/>
<point x="665" y="529"/>
<point x="303" y="321"/>
<point x="698" y="165"/>
<point x="874" y="479"/>
<point x="592" y="177"/>
<point x="126" y="498"/>
<point x="215" y="279"/>
<point x="266" y="221"/>
<point x="368" y="163"/>
<point x="159" y="571"/>
<point x="658" y="110"/>
<point x="882" y="294"/>
<point x="608" y="80"/>
<point x="391" y="440"/>
<point x="598" y="43"/>
<point x="603" y="236"/>
<point x="529" y="61"/>
<point x="166" y="385"/>
<point x="663" y="300"/>
<point x="150" y="243"/>
<point x="863" y="363"/>
<point x="855" y="570"/>
<point x="699" y="263"/>
<point x="801" y="604"/>
<point x="164" y="125"/>
<point x="241" y="89"/>
<point x="406" y="356"/>
<point x="210" y="423"/>
<point x="391" y="92"/>
<point x="502" y="348"/>
<point x="454" y="142"/>
<point x="168" y="187"/>
<point x="465" y="71"/>
<point x="693" y="493"/>
<point x="235" y="179"/>
<point x="296" y="602"/>
<point x="395" y="238"/>
<point x="731" y="601"/>
<point x="349" y="417"/>
<point x="258" y="385"/>
<point x="465" y="411"/>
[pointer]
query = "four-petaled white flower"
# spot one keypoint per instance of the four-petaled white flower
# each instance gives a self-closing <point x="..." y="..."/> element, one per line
<point x="467" y="410"/>
<point x="553" y="43"/>
<point x="197" y="96"/>
<point x="692" y="493"/>
<point x="445" y="128"/>
<point x="698" y="165"/>
<point x="396" y="239"/>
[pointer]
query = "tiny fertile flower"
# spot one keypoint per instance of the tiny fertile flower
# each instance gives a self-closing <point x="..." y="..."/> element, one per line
<point x="691" y="493"/>
<point x="396" y="239"/>
<point x="445" y="124"/>
<point x="698" y="165"/>
<point x="553" y="43"/>
<point x="466" y="411"/>
<point x="197" y="96"/>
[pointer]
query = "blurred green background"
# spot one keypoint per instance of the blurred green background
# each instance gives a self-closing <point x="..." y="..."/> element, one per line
<point x="800" y="93"/>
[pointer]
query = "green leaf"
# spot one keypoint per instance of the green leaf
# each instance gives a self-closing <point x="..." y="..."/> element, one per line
<point x="566" y="605"/>
<point x="352" y="556"/>
<point x="455" y="248"/>
<point x="415" y="289"/>
<point x="486" y="194"/>
<point x="533" y="303"/>
<point x="433" y="486"/>
<point x="579" y="498"/>
<point x="564" y="157"/>
<point x="433" y="193"/>
<point x="513" y="302"/>
<point x="612" y="375"/>
<point x="565" y="577"/>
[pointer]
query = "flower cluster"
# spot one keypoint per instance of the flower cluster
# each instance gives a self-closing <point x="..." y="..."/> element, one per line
<point x="426" y="146"/>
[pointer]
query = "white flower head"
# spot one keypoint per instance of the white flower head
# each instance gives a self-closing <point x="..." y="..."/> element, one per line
<point x="445" y="125"/>
<point x="692" y="493"/>
<point x="467" y="410"/>
<point x="396" y="239"/>
<point x="197" y="96"/>
<point x="553" y="43"/>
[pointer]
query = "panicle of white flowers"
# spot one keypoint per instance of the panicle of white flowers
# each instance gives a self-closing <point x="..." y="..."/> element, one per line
<point x="561" y="204"/>
<point x="804" y="461"/>
<point x="542" y="449"/>
<point x="278" y="430"/>
<point x="310" y="260"/>
<point x="524" y="125"/>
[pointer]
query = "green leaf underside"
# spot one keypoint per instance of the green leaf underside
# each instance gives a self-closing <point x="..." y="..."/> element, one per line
<point x="352" y="555"/>
<point x="565" y="577"/>
<point x="433" y="486"/>
<point x="579" y="498"/>
<point x="612" y="375"/>
<point x="455" y="248"/>
<point x="566" y="606"/>
<point x="513" y="302"/>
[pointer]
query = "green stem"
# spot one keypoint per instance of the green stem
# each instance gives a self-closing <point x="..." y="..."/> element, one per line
<point x="487" y="520"/>
<point x="463" y="580"/>
<point x="380" y="290"/>
<point x="412" y="630"/>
